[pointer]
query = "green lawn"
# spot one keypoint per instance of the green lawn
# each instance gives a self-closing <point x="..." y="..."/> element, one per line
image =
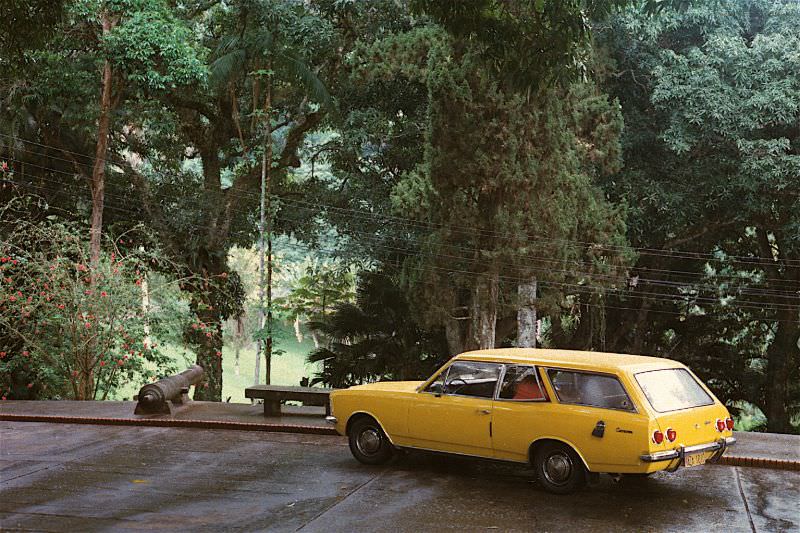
<point x="287" y="369"/>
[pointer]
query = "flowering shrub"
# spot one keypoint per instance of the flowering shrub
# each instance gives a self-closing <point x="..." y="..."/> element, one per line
<point x="71" y="329"/>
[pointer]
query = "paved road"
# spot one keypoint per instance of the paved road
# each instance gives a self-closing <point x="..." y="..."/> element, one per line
<point x="91" y="478"/>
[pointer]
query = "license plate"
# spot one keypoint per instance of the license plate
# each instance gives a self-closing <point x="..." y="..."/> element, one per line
<point x="696" y="459"/>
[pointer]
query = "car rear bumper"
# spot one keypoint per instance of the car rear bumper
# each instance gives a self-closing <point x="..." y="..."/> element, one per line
<point x="719" y="447"/>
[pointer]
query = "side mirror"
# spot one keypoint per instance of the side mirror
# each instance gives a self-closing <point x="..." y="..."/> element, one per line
<point x="436" y="389"/>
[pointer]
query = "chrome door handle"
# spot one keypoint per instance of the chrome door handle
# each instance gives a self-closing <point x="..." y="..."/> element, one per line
<point x="484" y="411"/>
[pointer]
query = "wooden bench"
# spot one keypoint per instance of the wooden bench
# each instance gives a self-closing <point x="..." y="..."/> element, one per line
<point x="273" y="395"/>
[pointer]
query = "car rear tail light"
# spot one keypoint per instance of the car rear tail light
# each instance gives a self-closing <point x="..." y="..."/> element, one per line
<point x="729" y="423"/>
<point x="672" y="435"/>
<point x="720" y="425"/>
<point x="658" y="437"/>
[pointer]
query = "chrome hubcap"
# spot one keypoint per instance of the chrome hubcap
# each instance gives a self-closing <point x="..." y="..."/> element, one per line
<point x="368" y="441"/>
<point x="558" y="468"/>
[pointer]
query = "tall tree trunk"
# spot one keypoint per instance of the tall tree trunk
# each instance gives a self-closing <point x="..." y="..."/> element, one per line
<point x="781" y="354"/>
<point x="526" y="315"/>
<point x="101" y="152"/>
<point x="454" y="332"/>
<point x="146" y="310"/>
<point x="484" y="311"/>
<point x="261" y="253"/>
<point x="268" y="344"/>
<point x="209" y="353"/>
<point x="268" y="152"/>
<point x="264" y="230"/>
<point x="298" y="333"/>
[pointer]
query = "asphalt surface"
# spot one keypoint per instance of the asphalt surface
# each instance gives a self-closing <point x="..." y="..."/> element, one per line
<point x="62" y="477"/>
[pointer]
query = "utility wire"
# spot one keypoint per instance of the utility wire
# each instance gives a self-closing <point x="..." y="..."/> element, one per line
<point x="596" y="275"/>
<point x="581" y="288"/>
<point x="680" y="254"/>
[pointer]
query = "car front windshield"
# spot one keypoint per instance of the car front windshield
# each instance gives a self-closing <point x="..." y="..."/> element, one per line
<point x="672" y="389"/>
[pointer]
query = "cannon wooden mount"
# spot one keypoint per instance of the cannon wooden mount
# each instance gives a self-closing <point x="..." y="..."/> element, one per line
<point x="165" y="394"/>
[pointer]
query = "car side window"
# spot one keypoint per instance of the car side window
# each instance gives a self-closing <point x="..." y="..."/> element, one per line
<point x="522" y="383"/>
<point x="471" y="378"/>
<point x="594" y="390"/>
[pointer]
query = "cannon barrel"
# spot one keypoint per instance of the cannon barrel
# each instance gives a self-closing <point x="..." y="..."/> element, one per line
<point x="153" y="397"/>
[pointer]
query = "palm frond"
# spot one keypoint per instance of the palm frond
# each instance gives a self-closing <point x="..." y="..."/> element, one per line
<point x="311" y="82"/>
<point x="227" y="66"/>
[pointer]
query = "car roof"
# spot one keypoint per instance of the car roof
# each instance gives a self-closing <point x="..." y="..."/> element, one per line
<point x="598" y="361"/>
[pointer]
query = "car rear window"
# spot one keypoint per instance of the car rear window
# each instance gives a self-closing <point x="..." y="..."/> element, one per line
<point x="593" y="390"/>
<point x="672" y="389"/>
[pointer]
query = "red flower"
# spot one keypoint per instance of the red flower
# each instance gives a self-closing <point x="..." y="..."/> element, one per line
<point x="61" y="306"/>
<point x="88" y="325"/>
<point x="208" y="334"/>
<point x="3" y="398"/>
<point x="87" y="292"/>
<point x="102" y="363"/>
<point x="2" y="354"/>
<point x="25" y="353"/>
<point x="12" y="298"/>
<point x="103" y="294"/>
<point x="30" y="385"/>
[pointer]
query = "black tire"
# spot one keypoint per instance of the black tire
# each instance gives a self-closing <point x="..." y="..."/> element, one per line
<point x="559" y="469"/>
<point x="368" y="443"/>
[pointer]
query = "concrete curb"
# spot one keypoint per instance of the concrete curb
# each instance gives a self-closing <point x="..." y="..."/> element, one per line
<point x="172" y="423"/>
<point x="759" y="462"/>
<point x="727" y="460"/>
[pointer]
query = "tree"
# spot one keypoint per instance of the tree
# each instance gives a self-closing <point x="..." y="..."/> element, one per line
<point x="71" y="328"/>
<point x="314" y="295"/>
<point x="490" y="154"/>
<point x="217" y="164"/>
<point x="709" y="96"/>
<point x="376" y="338"/>
<point x="269" y="48"/>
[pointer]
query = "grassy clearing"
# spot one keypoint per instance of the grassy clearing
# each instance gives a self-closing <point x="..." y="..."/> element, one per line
<point x="287" y="369"/>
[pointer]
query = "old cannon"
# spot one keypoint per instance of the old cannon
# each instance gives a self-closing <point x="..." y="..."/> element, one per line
<point x="158" y="397"/>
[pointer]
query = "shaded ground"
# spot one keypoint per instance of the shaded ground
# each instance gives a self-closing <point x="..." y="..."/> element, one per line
<point x="293" y="415"/>
<point x="89" y="478"/>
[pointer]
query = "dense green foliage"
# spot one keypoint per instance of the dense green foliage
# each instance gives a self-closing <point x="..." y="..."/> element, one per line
<point x="71" y="329"/>
<point x="712" y="151"/>
<point x="374" y="339"/>
<point x="626" y="173"/>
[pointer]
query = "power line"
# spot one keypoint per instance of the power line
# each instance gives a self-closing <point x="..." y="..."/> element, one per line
<point x="679" y="254"/>
<point x="575" y="287"/>
<point x="307" y="206"/>
<point x="599" y="276"/>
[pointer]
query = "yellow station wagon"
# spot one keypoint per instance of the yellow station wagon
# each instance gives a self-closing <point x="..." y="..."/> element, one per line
<point x="569" y="414"/>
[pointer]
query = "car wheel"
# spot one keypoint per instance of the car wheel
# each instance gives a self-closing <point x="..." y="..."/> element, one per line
<point x="559" y="469"/>
<point x="368" y="443"/>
